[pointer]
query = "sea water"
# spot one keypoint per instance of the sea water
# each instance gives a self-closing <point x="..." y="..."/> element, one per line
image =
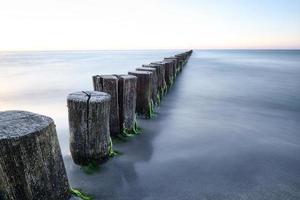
<point x="229" y="128"/>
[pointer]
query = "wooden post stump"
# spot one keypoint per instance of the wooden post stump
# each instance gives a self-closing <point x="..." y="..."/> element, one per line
<point x="143" y="101"/>
<point x="176" y="63"/>
<point x="127" y="101"/>
<point x="155" y="97"/>
<point x="168" y="72"/>
<point x="89" y="126"/>
<point x="172" y="63"/>
<point x="181" y="61"/>
<point x="161" y="76"/>
<point x="109" y="84"/>
<point x="183" y="57"/>
<point x="31" y="164"/>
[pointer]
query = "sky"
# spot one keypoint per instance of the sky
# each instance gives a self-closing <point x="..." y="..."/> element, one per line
<point x="145" y="24"/>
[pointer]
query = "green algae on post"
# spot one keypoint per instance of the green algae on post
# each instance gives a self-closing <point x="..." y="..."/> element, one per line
<point x="91" y="168"/>
<point x="80" y="194"/>
<point x="151" y="110"/>
<point x="158" y="98"/>
<point x="171" y="83"/>
<point x="144" y="91"/>
<point x="135" y="130"/>
<point x="127" y="103"/>
<point x="111" y="152"/>
<point x="127" y="132"/>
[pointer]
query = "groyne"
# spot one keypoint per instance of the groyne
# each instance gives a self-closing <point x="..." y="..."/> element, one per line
<point x="31" y="165"/>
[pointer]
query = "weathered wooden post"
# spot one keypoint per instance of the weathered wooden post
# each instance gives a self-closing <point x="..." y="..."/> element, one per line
<point x="181" y="61"/>
<point x="161" y="77"/>
<point x="31" y="164"/>
<point x="168" y="72"/>
<point x="109" y="84"/>
<point x="127" y="101"/>
<point x="155" y="96"/>
<point x="173" y="67"/>
<point x="143" y="101"/>
<point x="89" y="126"/>
<point x="176" y="63"/>
<point x="184" y="57"/>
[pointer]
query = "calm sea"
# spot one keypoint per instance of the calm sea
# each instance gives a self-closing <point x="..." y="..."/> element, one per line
<point x="229" y="129"/>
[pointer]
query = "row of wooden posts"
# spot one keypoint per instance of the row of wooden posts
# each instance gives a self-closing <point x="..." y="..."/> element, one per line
<point x="31" y="163"/>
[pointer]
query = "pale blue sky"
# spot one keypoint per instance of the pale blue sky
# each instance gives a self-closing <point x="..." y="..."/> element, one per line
<point x="156" y="24"/>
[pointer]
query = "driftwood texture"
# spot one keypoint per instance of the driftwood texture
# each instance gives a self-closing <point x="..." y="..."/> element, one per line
<point x="172" y="66"/>
<point x="168" y="71"/>
<point x="89" y="126"/>
<point x="31" y="164"/>
<point x="109" y="84"/>
<point x="154" y="83"/>
<point x="160" y="75"/>
<point x="127" y="101"/>
<point x="143" y="101"/>
<point x="175" y="63"/>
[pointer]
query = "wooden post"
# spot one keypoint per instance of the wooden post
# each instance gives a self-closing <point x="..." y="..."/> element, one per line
<point x="143" y="101"/>
<point x="183" y="57"/>
<point x="181" y="61"/>
<point x="172" y="64"/>
<point x="127" y="101"/>
<point x="168" y="72"/>
<point x="109" y="84"/>
<point x="31" y="164"/>
<point x="176" y="63"/>
<point x="161" y="76"/>
<point x="89" y="126"/>
<point x="155" y="97"/>
<point x="97" y="83"/>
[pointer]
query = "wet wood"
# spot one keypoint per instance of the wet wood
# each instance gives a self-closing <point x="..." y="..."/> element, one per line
<point x="168" y="71"/>
<point x="31" y="164"/>
<point x="176" y="64"/>
<point x="143" y="101"/>
<point x="89" y="113"/>
<point x="154" y="84"/>
<point x="109" y="84"/>
<point x="127" y="101"/>
<point x="160" y="75"/>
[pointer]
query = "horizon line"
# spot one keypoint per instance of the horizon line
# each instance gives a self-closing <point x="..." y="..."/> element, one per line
<point x="152" y="49"/>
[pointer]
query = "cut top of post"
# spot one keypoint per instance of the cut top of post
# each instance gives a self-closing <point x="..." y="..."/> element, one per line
<point x="166" y="61"/>
<point x="157" y="63"/>
<point x="127" y="76"/>
<point x="153" y="65"/>
<point x="91" y="96"/>
<point x="108" y="76"/>
<point x="146" y="69"/>
<point x="16" y="124"/>
<point x="140" y="73"/>
<point x="173" y="57"/>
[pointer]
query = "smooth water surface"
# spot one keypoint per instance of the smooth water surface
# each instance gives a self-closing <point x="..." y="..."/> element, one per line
<point x="228" y="130"/>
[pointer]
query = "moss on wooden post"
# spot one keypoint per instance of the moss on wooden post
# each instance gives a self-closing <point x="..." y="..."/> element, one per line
<point x="154" y="79"/>
<point x="143" y="103"/>
<point x="175" y="63"/>
<point x="127" y="102"/>
<point x="161" y="77"/>
<point x="168" y="72"/>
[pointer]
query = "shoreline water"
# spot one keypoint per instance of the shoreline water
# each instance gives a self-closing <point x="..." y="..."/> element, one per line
<point x="227" y="130"/>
